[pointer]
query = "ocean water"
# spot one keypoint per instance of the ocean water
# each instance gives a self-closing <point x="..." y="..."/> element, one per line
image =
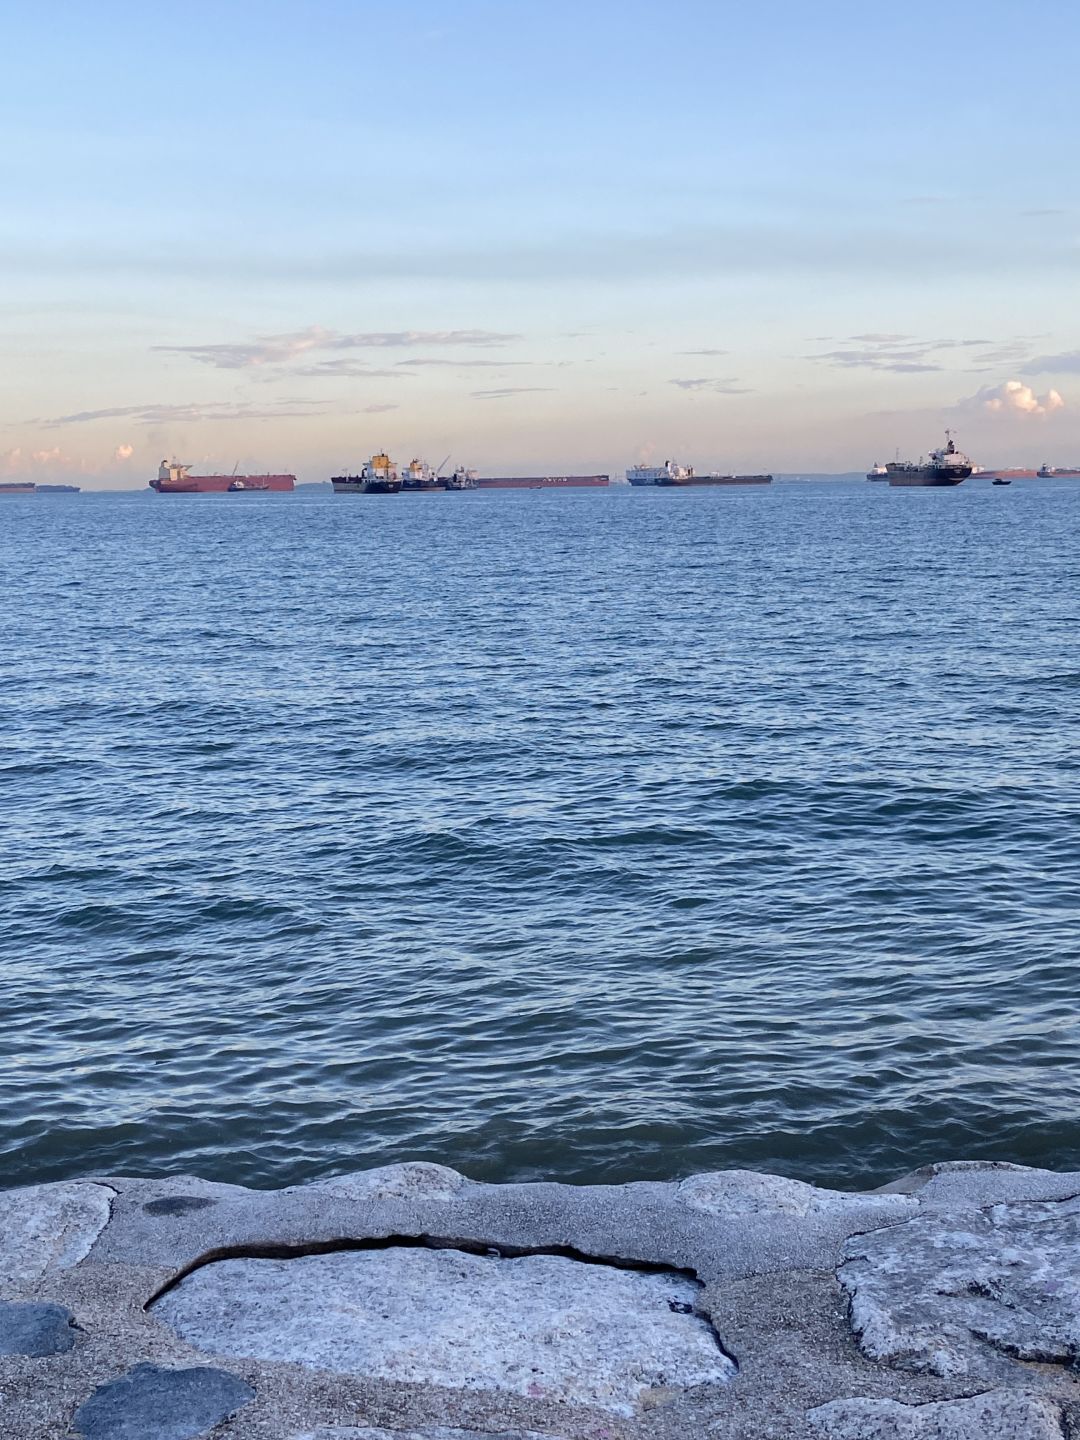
<point x="594" y="836"/>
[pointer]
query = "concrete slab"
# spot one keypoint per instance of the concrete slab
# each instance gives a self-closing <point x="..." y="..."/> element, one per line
<point x="539" y="1326"/>
<point x="45" y="1228"/>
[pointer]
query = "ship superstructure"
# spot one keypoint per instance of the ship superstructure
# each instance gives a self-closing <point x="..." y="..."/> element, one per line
<point x="669" y="473"/>
<point x="418" y="475"/>
<point x="378" y="476"/>
<point x="947" y="466"/>
<point x="878" y="472"/>
<point x="174" y="478"/>
<point x="461" y="479"/>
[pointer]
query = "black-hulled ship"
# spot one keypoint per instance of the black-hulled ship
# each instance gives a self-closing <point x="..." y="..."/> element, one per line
<point x="378" y="476"/>
<point x="947" y="466"/>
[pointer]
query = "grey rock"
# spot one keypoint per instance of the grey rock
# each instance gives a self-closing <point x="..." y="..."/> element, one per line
<point x="745" y="1192"/>
<point x="971" y="1293"/>
<point x="150" y="1403"/>
<point x="46" y="1228"/>
<point x="539" y="1326"/>
<point x="966" y="1183"/>
<point x="413" y="1180"/>
<point x="998" y="1415"/>
<point x="35" y="1329"/>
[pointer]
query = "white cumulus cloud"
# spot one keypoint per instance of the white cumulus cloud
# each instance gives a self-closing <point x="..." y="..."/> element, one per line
<point x="1013" y="397"/>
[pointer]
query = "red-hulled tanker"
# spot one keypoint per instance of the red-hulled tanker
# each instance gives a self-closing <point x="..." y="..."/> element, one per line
<point x="176" y="479"/>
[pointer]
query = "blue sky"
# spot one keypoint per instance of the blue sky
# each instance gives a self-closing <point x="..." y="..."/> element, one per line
<point x="552" y="236"/>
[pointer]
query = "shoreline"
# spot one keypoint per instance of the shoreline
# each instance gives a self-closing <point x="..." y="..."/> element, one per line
<point x="409" y="1301"/>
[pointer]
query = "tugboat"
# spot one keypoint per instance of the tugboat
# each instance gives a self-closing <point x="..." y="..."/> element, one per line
<point x="878" y="472"/>
<point x="378" y="476"/>
<point x="461" y="479"/>
<point x="947" y="466"/>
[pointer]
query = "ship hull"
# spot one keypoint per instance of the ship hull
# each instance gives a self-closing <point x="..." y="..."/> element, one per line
<point x="348" y="485"/>
<point x="544" y="482"/>
<point x="222" y="484"/>
<point x="690" y="481"/>
<point x="929" y="479"/>
<point x="416" y="486"/>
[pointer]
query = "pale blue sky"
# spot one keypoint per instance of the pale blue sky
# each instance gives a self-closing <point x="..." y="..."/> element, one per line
<point x="543" y="236"/>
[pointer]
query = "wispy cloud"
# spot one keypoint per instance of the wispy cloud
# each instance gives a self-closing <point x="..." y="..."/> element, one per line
<point x="161" y="414"/>
<point x="1013" y="397"/>
<point x="378" y="409"/>
<point x="716" y="387"/>
<point x="344" y="369"/>
<point x="704" y="352"/>
<point x="1067" y="363"/>
<point x="281" y="349"/>
<point x="507" y="391"/>
<point x="466" y="364"/>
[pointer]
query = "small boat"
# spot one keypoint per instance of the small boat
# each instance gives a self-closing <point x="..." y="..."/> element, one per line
<point x="1000" y="482"/>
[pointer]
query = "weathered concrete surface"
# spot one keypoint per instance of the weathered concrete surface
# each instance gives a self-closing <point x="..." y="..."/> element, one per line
<point x="429" y="1432"/>
<point x="151" y="1403"/>
<point x="781" y="1271"/>
<point x="970" y="1294"/>
<point x="996" y="1416"/>
<point x="540" y="1326"/>
<point x="46" y="1228"/>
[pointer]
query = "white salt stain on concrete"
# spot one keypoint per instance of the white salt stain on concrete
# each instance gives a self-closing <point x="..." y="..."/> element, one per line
<point x="539" y="1326"/>
<point x="45" y="1228"/>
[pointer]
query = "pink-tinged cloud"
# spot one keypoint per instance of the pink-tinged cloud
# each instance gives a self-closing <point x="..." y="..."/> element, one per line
<point x="281" y="349"/>
<point x="1013" y="397"/>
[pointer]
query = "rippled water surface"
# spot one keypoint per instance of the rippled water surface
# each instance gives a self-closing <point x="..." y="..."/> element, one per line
<point x="594" y="836"/>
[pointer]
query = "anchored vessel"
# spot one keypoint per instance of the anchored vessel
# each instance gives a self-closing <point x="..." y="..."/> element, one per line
<point x="671" y="474"/>
<point x="378" y="476"/>
<point x="17" y="487"/>
<point x="878" y="472"/>
<point x="1057" y="472"/>
<point x="176" y="479"/>
<point x="58" y="489"/>
<point x="461" y="479"/>
<point x="948" y="466"/>
<point x="418" y="475"/>
<point x="543" y="482"/>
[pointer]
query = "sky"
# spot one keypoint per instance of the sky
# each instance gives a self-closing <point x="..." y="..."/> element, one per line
<point x="537" y="237"/>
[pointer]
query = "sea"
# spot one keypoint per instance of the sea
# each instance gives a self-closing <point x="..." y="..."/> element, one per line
<point x="594" y="836"/>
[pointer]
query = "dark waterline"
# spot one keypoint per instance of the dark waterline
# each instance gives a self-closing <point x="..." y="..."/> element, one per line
<point x="597" y="836"/>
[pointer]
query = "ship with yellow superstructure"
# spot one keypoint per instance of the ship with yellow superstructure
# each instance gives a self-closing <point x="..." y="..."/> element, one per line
<point x="378" y="476"/>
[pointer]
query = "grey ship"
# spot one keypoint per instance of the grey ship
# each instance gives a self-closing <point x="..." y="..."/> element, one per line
<point x="948" y="466"/>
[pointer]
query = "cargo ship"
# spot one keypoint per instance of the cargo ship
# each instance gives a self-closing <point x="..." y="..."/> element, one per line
<point x="418" y="475"/>
<point x="1057" y="472"/>
<point x="17" y="487"/>
<point x="461" y="479"/>
<point x="58" y="489"/>
<point x="671" y="474"/>
<point x="947" y="466"/>
<point x="378" y="476"/>
<point x="542" y="482"/>
<point x="878" y="472"/>
<point x="176" y="479"/>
